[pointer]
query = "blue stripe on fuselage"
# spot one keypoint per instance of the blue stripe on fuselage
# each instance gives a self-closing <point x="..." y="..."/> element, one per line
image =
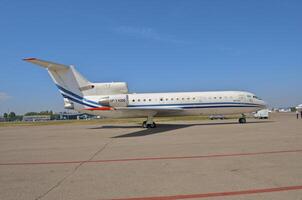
<point x="77" y="101"/>
<point x="200" y="106"/>
<point x="192" y="104"/>
<point x="237" y="106"/>
<point x="76" y="96"/>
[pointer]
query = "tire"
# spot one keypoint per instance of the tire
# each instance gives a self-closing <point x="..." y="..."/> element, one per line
<point x="242" y="120"/>
<point x="153" y="125"/>
<point x="145" y="124"/>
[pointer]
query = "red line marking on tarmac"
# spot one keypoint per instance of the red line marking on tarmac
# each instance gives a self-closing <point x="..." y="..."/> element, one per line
<point x="217" y="194"/>
<point x="152" y="158"/>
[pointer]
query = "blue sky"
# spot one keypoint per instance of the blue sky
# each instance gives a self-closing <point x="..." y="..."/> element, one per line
<point x="155" y="46"/>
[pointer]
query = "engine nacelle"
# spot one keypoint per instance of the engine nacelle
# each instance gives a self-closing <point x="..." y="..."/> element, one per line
<point x="114" y="88"/>
<point x="115" y="101"/>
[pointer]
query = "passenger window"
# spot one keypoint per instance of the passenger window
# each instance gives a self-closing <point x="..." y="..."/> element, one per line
<point x="149" y="99"/>
<point x="133" y="100"/>
<point x="144" y="99"/>
<point x="171" y="99"/>
<point x="161" y="99"/>
<point x="138" y="100"/>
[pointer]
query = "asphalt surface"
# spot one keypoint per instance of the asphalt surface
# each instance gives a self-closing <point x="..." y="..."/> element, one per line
<point x="218" y="159"/>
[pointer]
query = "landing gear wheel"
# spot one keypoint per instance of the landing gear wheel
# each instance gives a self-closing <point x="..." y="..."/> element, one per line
<point x="145" y="125"/>
<point x="153" y="125"/>
<point x="242" y="120"/>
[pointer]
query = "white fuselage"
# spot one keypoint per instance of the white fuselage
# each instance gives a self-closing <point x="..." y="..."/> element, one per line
<point x="182" y="103"/>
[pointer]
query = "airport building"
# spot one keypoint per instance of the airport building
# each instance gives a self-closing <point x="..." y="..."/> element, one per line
<point x="2" y="119"/>
<point x="75" y="115"/>
<point x="36" y="118"/>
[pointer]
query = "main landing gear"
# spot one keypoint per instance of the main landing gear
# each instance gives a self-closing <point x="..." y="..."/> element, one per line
<point x="242" y="120"/>
<point x="152" y="125"/>
<point x="149" y="123"/>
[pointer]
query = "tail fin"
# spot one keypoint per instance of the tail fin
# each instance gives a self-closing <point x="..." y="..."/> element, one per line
<point x="65" y="77"/>
<point x="74" y="87"/>
<point x="68" y="80"/>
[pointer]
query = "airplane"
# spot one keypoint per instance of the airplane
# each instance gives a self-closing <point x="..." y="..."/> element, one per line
<point x="299" y="108"/>
<point x="113" y="100"/>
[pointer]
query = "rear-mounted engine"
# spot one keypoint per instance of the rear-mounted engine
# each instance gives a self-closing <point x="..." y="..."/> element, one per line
<point x="114" y="101"/>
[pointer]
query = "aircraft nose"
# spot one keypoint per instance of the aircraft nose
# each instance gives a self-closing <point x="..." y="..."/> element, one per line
<point x="264" y="104"/>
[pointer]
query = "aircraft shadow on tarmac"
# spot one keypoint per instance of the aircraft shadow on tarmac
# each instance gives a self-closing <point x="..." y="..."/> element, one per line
<point x="165" y="127"/>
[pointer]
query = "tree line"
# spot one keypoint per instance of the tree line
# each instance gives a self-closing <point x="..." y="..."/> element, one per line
<point x="12" y="116"/>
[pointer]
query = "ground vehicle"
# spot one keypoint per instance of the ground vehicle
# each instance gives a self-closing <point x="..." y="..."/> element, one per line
<point x="262" y="114"/>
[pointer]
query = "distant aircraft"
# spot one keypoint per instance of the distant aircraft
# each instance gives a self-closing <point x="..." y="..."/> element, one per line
<point x="299" y="108"/>
<point x="114" y="101"/>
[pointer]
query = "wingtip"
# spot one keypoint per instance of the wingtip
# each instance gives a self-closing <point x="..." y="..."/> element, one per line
<point x="29" y="59"/>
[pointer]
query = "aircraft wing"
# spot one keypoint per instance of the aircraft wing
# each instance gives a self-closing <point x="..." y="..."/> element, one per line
<point x="155" y="110"/>
<point x="46" y="64"/>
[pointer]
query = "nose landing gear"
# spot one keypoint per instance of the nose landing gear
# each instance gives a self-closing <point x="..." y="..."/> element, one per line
<point x="242" y="120"/>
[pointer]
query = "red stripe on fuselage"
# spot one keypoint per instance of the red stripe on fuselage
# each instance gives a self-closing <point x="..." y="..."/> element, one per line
<point x="100" y="108"/>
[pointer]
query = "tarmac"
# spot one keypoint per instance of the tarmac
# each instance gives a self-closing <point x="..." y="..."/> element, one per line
<point x="215" y="160"/>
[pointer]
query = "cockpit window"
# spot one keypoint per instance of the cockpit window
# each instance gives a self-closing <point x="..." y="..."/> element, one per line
<point x="255" y="97"/>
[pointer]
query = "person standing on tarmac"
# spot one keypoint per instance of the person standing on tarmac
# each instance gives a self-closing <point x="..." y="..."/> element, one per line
<point x="301" y="114"/>
<point x="297" y="113"/>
